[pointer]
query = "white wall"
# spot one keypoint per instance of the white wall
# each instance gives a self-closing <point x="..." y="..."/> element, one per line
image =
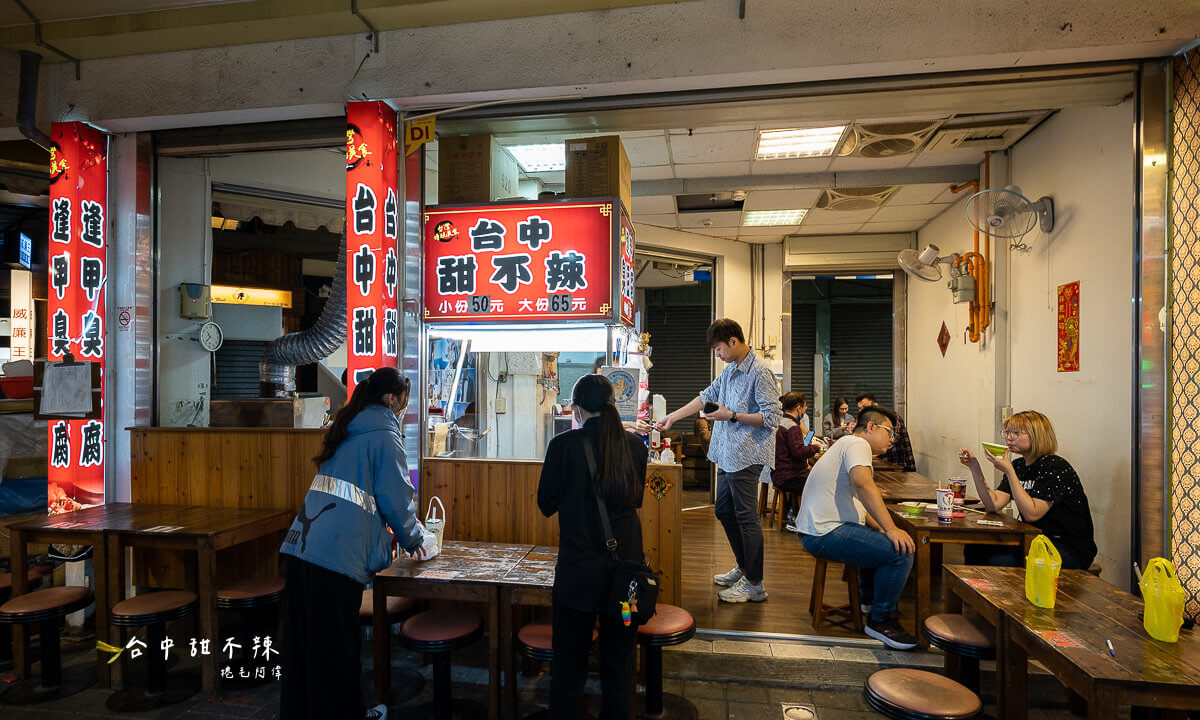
<point x="1084" y="159"/>
<point x="184" y="256"/>
<point x="731" y="271"/>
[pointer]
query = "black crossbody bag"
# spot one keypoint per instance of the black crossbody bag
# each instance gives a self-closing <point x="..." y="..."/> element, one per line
<point x="634" y="587"/>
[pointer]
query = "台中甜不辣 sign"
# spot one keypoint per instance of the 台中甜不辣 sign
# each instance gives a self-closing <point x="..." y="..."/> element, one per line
<point x="531" y="261"/>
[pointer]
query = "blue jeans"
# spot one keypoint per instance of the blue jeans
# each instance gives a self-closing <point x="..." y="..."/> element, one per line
<point x="882" y="571"/>
<point x="737" y="509"/>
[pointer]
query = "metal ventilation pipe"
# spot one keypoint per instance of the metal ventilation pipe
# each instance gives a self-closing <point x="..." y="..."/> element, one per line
<point x="27" y="100"/>
<point x="277" y="370"/>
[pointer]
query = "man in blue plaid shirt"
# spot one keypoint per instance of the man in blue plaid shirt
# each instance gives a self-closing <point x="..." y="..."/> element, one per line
<point x="746" y="414"/>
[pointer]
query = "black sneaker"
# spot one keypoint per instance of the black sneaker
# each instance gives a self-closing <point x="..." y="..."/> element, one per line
<point x="891" y="634"/>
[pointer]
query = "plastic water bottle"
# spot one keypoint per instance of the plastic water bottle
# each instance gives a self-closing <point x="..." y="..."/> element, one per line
<point x="667" y="457"/>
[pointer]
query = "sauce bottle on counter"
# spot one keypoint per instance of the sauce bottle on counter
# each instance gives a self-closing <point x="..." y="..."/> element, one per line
<point x="667" y="457"/>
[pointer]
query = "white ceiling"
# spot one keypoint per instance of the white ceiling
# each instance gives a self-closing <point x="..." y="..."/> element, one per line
<point x="729" y="153"/>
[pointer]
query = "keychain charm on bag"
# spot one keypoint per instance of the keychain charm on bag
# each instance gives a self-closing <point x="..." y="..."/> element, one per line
<point x="629" y="604"/>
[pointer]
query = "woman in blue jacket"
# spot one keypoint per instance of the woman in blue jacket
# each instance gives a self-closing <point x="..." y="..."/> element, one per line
<point x="339" y="539"/>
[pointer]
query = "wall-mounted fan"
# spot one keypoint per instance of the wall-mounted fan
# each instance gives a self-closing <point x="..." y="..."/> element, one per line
<point x="1009" y="215"/>
<point x="925" y="265"/>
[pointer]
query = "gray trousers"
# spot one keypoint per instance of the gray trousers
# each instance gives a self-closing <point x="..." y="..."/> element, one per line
<point x="737" y="509"/>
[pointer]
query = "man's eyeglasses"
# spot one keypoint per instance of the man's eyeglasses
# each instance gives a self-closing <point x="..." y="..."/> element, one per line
<point x="890" y="430"/>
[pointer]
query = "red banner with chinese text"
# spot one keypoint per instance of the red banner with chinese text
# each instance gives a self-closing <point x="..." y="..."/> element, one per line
<point x="1068" y="327"/>
<point x="628" y="276"/>
<point x="534" y="261"/>
<point x="372" y="229"/>
<point x="75" y="309"/>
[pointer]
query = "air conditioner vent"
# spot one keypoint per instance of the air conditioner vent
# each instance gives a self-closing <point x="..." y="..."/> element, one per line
<point x="856" y="198"/>
<point x="885" y="140"/>
<point x="989" y="134"/>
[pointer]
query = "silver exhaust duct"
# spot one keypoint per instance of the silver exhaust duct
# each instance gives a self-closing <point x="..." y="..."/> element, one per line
<point x="277" y="369"/>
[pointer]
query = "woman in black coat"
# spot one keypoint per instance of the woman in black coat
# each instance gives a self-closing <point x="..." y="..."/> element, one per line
<point x="584" y="571"/>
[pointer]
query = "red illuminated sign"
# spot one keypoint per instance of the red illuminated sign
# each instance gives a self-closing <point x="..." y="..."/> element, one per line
<point x="372" y="229"/>
<point x="75" y="309"/>
<point x="628" y="276"/>
<point x="533" y="261"/>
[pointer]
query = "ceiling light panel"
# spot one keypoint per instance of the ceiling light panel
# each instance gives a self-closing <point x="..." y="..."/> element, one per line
<point x="798" y="143"/>
<point x="773" y="217"/>
<point x="541" y="157"/>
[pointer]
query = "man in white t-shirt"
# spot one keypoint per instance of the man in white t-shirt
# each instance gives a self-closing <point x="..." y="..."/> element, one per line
<point x="832" y="528"/>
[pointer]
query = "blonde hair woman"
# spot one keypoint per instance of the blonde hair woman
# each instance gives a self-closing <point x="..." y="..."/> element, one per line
<point x="1043" y="486"/>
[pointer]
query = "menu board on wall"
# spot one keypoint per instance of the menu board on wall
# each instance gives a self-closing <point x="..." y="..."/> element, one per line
<point x="524" y="262"/>
<point x="372" y="230"/>
<point x="75" y="307"/>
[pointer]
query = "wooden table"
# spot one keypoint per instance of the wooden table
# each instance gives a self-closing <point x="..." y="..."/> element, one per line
<point x="529" y="583"/>
<point x="926" y="531"/>
<point x="1069" y="641"/>
<point x="466" y="571"/>
<point x="897" y="486"/>
<point x="112" y="527"/>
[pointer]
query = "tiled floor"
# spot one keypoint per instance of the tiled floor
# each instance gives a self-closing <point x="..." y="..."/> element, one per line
<point x="725" y="679"/>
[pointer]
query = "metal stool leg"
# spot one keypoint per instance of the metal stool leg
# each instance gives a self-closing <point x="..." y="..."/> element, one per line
<point x="654" y="692"/>
<point x="51" y="653"/>
<point x="156" y="666"/>
<point x="441" y="686"/>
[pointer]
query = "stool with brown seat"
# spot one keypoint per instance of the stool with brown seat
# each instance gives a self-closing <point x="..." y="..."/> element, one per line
<point x="908" y="694"/>
<point x="252" y="598"/>
<point x="439" y="633"/>
<point x="966" y="641"/>
<point x="152" y="610"/>
<point x="47" y="607"/>
<point x="34" y="574"/>
<point x="407" y="683"/>
<point x="670" y="626"/>
<point x="851" y="612"/>
<point x="535" y="641"/>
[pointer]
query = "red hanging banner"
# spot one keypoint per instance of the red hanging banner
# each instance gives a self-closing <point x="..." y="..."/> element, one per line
<point x="1068" y="327"/>
<point x="372" y="229"/>
<point x="533" y="261"/>
<point x="75" y="309"/>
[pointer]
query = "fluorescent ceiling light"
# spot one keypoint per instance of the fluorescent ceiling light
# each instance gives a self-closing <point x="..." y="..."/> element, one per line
<point x="540" y="158"/>
<point x="773" y="217"/>
<point x="798" y="143"/>
<point x="528" y="339"/>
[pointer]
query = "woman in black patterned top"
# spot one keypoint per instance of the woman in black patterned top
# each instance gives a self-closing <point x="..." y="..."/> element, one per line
<point x="1043" y="486"/>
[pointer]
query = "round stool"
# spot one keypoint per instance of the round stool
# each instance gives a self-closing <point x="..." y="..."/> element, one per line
<point x="439" y="633"/>
<point x="907" y="694"/>
<point x="407" y="683"/>
<point x="47" y="607"/>
<point x="252" y="598"/>
<point x="670" y="626"/>
<point x="34" y="574"/>
<point x="153" y="610"/>
<point x="535" y="640"/>
<point x="966" y="641"/>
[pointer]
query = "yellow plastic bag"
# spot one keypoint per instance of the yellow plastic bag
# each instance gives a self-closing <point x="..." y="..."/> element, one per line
<point x="1041" y="572"/>
<point x="1164" y="600"/>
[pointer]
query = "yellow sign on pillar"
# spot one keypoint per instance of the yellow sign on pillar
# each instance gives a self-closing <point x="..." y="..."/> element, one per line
<point x="417" y="133"/>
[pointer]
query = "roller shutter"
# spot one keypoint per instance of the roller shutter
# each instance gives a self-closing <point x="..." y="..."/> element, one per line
<point x="804" y="346"/>
<point x="860" y="345"/>
<point x="681" y="361"/>
<point x="237" y="369"/>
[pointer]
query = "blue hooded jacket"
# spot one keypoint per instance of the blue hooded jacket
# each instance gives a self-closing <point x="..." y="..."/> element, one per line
<point x="357" y="494"/>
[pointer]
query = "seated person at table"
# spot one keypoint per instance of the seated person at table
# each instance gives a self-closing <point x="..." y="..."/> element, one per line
<point x="792" y="455"/>
<point x="1043" y="486"/>
<point x="901" y="452"/>
<point x="839" y="422"/>
<point x="831" y="528"/>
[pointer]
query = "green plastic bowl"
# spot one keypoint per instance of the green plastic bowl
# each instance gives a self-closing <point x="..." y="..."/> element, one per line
<point x="995" y="448"/>
<point x="914" y="509"/>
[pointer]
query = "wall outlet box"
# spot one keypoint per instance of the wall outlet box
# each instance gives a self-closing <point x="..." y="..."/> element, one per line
<point x="501" y="405"/>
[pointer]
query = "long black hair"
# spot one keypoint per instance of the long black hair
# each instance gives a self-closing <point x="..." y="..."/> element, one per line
<point x="368" y="392"/>
<point x="838" y="417"/>
<point x="615" y="472"/>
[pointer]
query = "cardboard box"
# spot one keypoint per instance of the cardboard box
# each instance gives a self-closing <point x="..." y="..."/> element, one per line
<point x="474" y="169"/>
<point x="599" y="167"/>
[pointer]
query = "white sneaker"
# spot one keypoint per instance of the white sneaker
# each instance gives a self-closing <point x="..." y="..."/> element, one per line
<point x="743" y="591"/>
<point x="730" y="578"/>
<point x="379" y="712"/>
<point x="865" y="608"/>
